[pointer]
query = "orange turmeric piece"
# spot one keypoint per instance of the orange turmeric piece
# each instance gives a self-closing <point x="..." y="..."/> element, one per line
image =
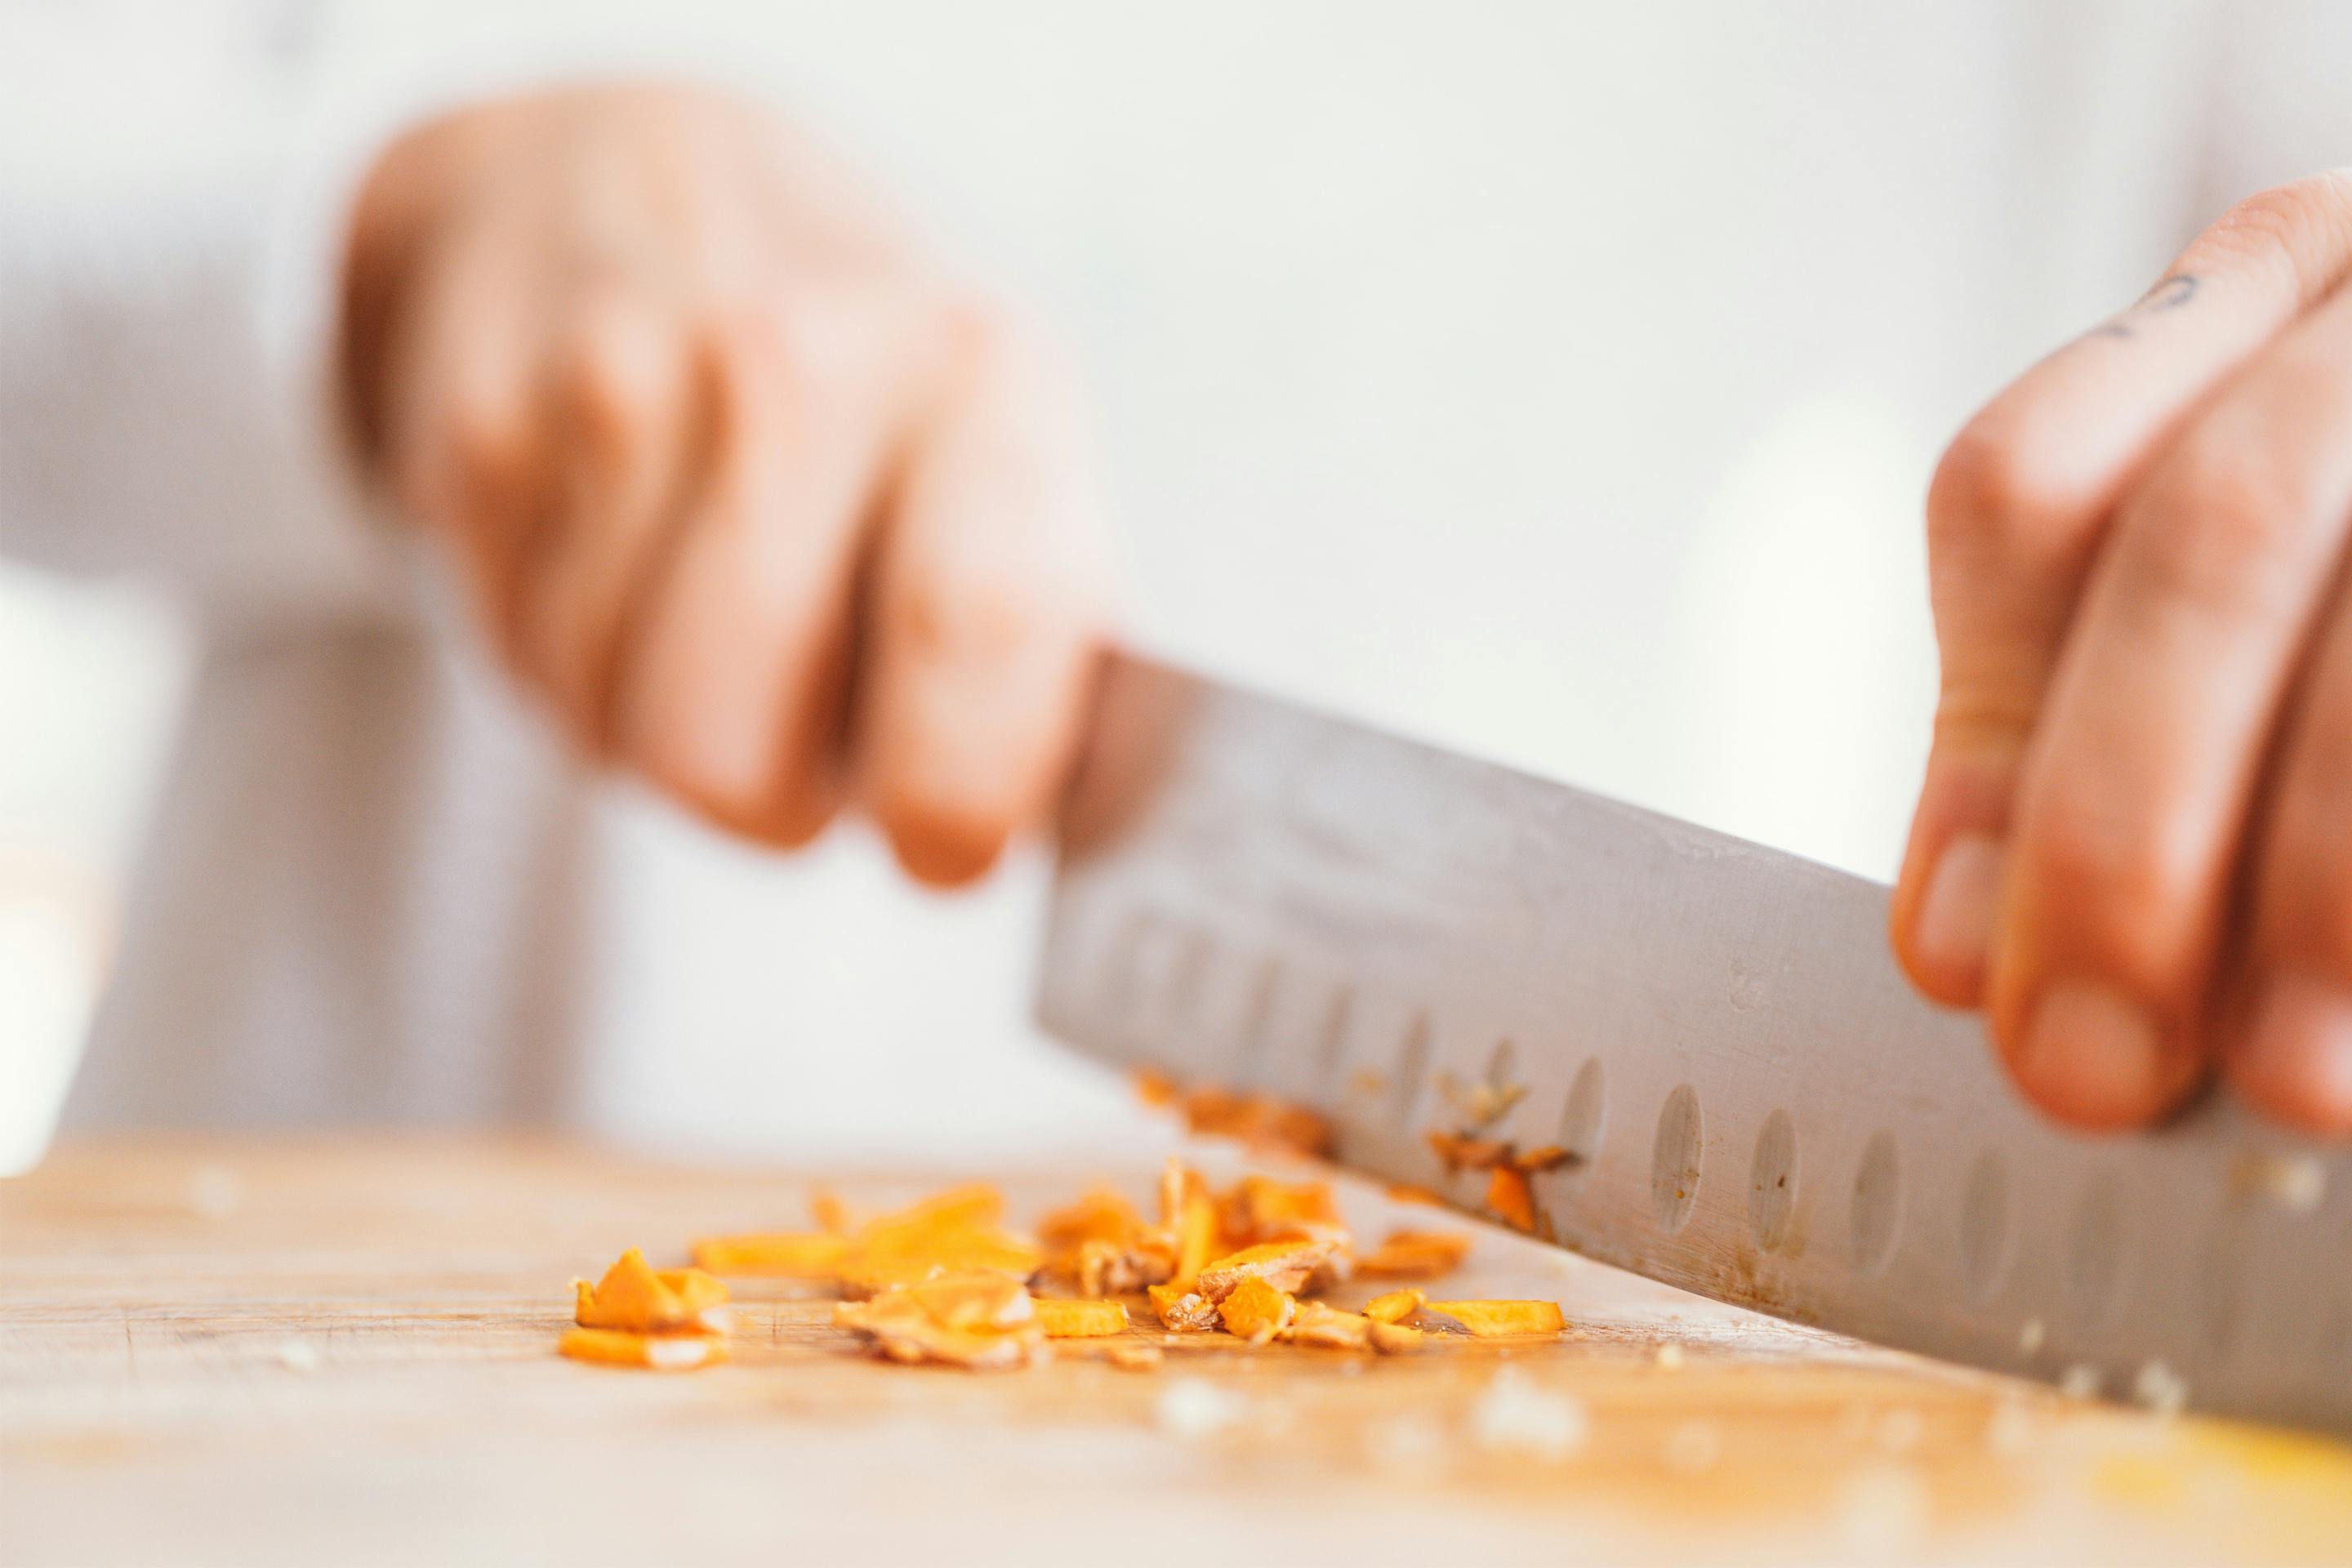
<point x="1182" y="1310"/>
<point x="1535" y="1162"/>
<point x="974" y="1301"/>
<point x="1260" y="1208"/>
<point x="905" y="1324"/>
<point x="1316" y="1324"/>
<point x="955" y="1232"/>
<point x="1101" y="1215"/>
<point x="830" y="1214"/>
<point x="1256" y="1311"/>
<point x="782" y="1255"/>
<point x="1512" y="1198"/>
<point x="1255" y="1118"/>
<point x="656" y="1353"/>
<point x="1285" y="1265"/>
<point x="1414" y="1255"/>
<point x="1395" y="1306"/>
<point x="960" y="1252"/>
<point x="1459" y="1152"/>
<point x="634" y="1298"/>
<point x="1494" y="1320"/>
<point x="1069" y="1319"/>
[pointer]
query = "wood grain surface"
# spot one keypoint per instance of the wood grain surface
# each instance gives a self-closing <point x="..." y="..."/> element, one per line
<point x="343" y="1353"/>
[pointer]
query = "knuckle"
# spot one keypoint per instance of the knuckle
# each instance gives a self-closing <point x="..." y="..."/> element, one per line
<point x="2221" y="528"/>
<point x="2124" y="883"/>
<point x="611" y="380"/>
<point x="973" y="620"/>
<point x="489" y="453"/>
<point x="1997" y="503"/>
<point x="780" y="338"/>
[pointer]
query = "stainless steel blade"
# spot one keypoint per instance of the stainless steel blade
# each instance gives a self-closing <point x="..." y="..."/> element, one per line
<point x="1757" y="1107"/>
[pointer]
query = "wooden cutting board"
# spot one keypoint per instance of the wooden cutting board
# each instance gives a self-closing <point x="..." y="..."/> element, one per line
<point x="343" y="1353"/>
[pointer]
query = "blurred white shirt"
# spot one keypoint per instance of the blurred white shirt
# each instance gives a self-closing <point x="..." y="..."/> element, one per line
<point x="1556" y="381"/>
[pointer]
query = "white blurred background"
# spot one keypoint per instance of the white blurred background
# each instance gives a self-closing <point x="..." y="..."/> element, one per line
<point x="1557" y="382"/>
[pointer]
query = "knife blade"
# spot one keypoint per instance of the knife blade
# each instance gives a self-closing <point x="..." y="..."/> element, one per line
<point x="1754" y="1104"/>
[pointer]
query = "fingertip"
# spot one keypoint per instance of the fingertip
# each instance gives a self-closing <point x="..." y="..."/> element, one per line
<point x="2293" y="1061"/>
<point x="943" y="846"/>
<point x="1947" y="940"/>
<point x="2094" y="1058"/>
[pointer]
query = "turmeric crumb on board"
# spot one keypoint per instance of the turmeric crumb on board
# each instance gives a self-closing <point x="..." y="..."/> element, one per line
<point x="656" y="1353"/>
<point x="1414" y="1255"/>
<point x="1491" y="1320"/>
<point x="635" y="1298"/>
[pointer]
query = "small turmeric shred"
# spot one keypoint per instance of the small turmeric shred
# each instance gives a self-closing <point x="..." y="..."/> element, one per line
<point x="1414" y="1255"/>
<point x="1181" y="1310"/>
<point x="1260" y="1209"/>
<point x="634" y="1298"/>
<point x="829" y="1213"/>
<point x="1535" y="1162"/>
<point x="1256" y="1311"/>
<point x="1329" y="1328"/>
<point x="656" y="1353"/>
<point x="1285" y="1265"/>
<point x="1101" y="1215"/>
<point x="1070" y="1320"/>
<point x="1457" y="1151"/>
<point x="782" y="1254"/>
<point x="1395" y="1306"/>
<point x="1493" y="1320"/>
<point x="902" y="1327"/>
<point x="1155" y="1090"/>
<point x="1512" y="1197"/>
<point x="974" y="1301"/>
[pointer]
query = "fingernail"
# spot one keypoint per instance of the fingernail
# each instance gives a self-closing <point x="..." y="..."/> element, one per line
<point x="2296" y="1060"/>
<point x="1955" y="930"/>
<point x="2093" y="1056"/>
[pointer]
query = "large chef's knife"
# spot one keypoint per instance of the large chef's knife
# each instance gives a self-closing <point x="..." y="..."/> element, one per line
<point x="1754" y="1104"/>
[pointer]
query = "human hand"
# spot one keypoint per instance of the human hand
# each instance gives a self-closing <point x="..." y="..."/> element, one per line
<point x="761" y="504"/>
<point x="2133" y="846"/>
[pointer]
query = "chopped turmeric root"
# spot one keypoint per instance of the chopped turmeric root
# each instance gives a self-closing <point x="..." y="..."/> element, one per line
<point x="1457" y="1151"/>
<point x="912" y="1259"/>
<point x="1414" y="1255"/>
<point x="1511" y="1197"/>
<point x="1261" y="1209"/>
<point x="1100" y="1216"/>
<point x="974" y="1301"/>
<point x="1255" y="1310"/>
<point x="657" y="1352"/>
<point x="634" y="1298"/>
<point x="1491" y="1320"/>
<point x="1395" y="1306"/>
<point x="1258" y="1120"/>
<point x="1285" y="1265"/>
<point x="1067" y="1320"/>
<point x="1181" y="1310"/>
<point x="830" y="1214"/>
<point x="903" y="1328"/>
<point x="1316" y="1324"/>
<point x="782" y="1255"/>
